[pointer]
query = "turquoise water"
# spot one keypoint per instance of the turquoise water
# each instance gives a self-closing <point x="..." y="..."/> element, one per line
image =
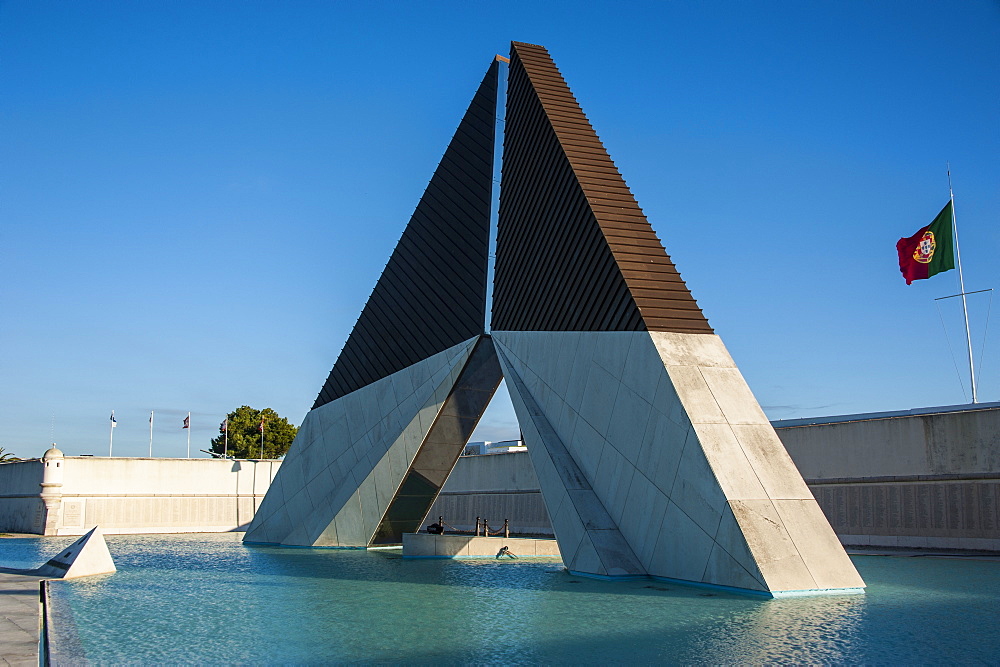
<point x="209" y="598"/>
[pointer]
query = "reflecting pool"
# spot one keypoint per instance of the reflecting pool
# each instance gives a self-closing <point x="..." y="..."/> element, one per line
<point x="209" y="598"/>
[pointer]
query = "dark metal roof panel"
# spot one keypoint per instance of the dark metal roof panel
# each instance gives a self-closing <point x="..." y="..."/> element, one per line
<point x="574" y="250"/>
<point x="432" y="293"/>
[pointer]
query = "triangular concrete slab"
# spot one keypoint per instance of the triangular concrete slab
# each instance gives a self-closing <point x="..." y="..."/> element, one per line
<point x="86" y="557"/>
<point x="675" y="458"/>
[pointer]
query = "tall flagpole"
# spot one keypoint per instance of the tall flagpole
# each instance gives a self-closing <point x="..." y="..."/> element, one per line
<point x="961" y="287"/>
<point x="262" y="438"/>
<point x="111" y="440"/>
<point x="225" y="430"/>
<point x="150" y="434"/>
<point x="188" y="422"/>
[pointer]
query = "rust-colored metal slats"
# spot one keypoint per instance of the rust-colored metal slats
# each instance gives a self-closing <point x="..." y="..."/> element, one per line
<point x="574" y="250"/>
<point x="432" y="293"/>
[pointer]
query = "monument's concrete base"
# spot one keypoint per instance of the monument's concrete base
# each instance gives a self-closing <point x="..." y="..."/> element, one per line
<point x="364" y="469"/>
<point x="654" y="458"/>
<point x="427" y="545"/>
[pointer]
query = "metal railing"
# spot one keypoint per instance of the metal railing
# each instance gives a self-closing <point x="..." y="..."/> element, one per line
<point x="482" y="528"/>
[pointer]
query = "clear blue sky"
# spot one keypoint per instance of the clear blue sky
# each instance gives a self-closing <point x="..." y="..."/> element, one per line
<point x="196" y="198"/>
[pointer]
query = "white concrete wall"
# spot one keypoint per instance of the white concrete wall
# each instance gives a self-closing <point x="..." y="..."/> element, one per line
<point x="137" y="495"/>
<point x="929" y="480"/>
<point x="20" y="477"/>
<point x="92" y="476"/>
<point x="850" y="468"/>
<point x="21" y="508"/>
<point x="510" y="471"/>
<point x="931" y="444"/>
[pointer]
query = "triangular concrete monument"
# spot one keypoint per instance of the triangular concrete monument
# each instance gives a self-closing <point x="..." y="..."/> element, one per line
<point x="653" y="456"/>
<point x="651" y="452"/>
<point x="86" y="557"/>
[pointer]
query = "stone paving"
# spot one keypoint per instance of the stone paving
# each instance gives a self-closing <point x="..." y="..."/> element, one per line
<point x="19" y="619"/>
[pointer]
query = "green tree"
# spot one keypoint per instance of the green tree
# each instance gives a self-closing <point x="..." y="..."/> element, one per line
<point x="7" y="457"/>
<point x="244" y="434"/>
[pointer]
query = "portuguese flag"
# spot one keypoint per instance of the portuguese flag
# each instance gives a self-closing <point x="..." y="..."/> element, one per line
<point x="930" y="251"/>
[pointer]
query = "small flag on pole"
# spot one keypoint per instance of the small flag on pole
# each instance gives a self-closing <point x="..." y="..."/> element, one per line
<point x="224" y="425"/>
<point x="187" y="425"/>
<point x="261" y="427"/>
<point x="111" y="434"/>
<point x="930" y="251"/>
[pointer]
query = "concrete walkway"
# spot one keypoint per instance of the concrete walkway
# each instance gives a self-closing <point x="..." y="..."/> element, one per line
<point x="19" y="619"/>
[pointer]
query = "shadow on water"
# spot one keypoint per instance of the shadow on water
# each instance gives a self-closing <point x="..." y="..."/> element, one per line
<point x="208" y="598"/>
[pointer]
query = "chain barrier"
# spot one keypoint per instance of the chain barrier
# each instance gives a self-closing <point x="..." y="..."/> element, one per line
<point x="482" y="528"/>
